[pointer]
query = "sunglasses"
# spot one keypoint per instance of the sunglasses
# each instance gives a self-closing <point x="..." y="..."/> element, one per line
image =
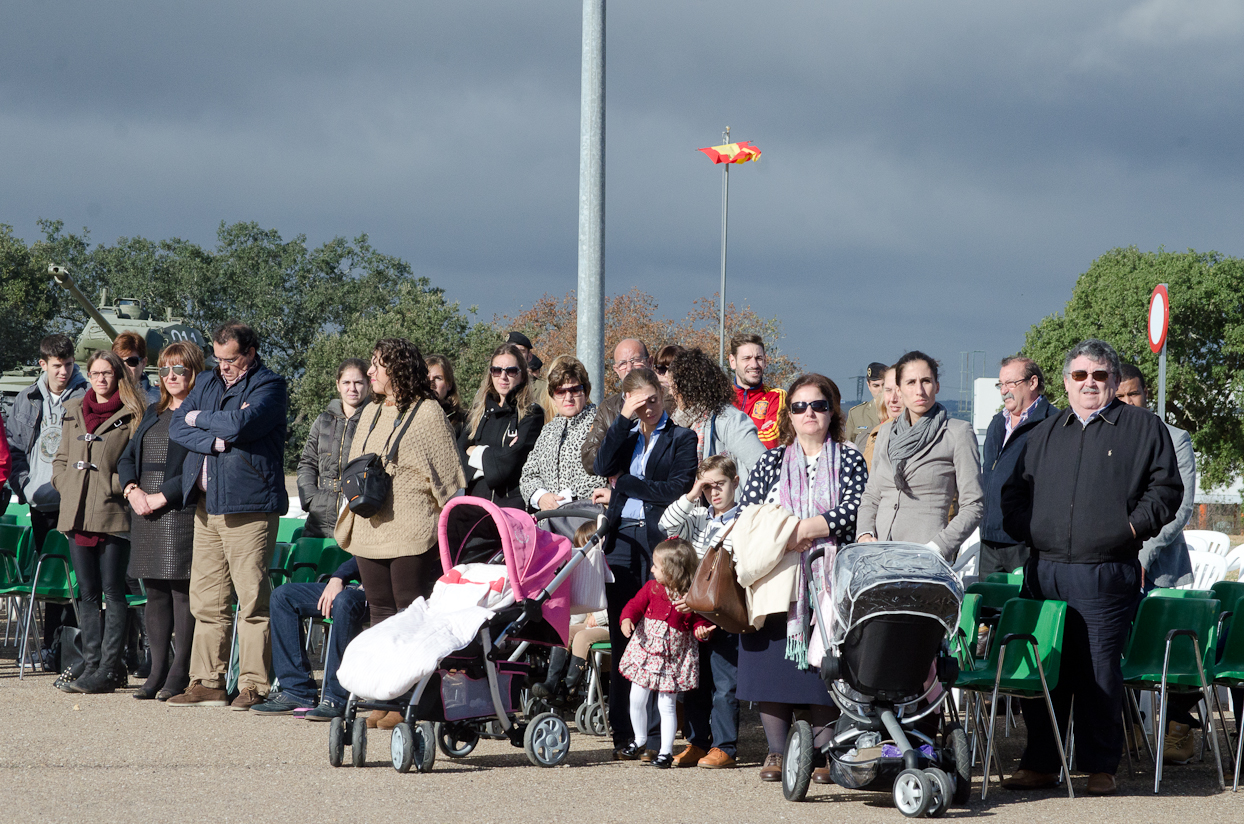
<point x="498" y="371"/>
<point x="178" y="369"/>
<point x="132" y="360"/>
<point x="562" y="391"/>
<point x="799" y="407"/>
<point x="1099" y="375"/>
<point x="660" y="370"/>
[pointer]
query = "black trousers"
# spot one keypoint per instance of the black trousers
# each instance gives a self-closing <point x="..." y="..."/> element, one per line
<point x="1101" y="601"/>
<point x="1001" y="558"/>
<point x="630" y="561"/>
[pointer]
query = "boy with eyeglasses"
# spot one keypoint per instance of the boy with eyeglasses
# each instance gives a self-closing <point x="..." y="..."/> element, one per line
<point x="711" y="709"/>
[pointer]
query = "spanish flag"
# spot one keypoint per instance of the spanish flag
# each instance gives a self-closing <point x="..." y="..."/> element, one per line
<point x="732" y="152"/>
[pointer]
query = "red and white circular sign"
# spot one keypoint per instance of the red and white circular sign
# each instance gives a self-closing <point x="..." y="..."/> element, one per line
<point x="1159" y="317"/>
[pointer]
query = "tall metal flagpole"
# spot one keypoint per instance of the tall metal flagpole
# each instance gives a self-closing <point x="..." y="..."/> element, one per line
<point x="725" y="213"/>
<point x="590" y="334"/>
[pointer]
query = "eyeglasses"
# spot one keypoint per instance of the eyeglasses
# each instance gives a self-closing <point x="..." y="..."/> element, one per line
<point x="562" y="391"/>
<point x="132" y="360"/>
<point x="633" y="363"/>
<point x="176" y="369"/>
<point x="99" y="376"/>
<point x="660" y="370"/>
<point x="1099" y="375"/>
<point x="799" y="407"/>
<point x="1011" y="384"/>
<point x="498" y="371"/>
<point x="230" y="361"/>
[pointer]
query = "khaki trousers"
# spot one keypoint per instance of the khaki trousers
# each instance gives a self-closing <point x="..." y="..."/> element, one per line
<point x="231" y="554"/>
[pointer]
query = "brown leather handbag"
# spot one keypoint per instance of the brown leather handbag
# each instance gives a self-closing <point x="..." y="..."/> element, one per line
<point x="715" y="592"/>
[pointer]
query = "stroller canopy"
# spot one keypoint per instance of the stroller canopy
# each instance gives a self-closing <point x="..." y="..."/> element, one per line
<point x="892" y="578"/>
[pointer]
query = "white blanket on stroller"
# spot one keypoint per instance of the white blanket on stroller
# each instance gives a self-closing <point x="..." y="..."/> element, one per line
<point x="387" y="660"/>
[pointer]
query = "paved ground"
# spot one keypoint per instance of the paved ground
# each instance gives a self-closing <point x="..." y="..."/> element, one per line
<point x="110" y="758"/>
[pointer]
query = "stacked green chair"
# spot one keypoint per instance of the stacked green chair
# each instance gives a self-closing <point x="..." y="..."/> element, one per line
<point x="54" y="581"/>
<point x="1025" y="657"/>
<point x="304" y="559"/>
<point x="15" y="542"/>
<point x="1013" y="578"/>
<point x="278" y="567"/>
<point x="1165" y="654"/>
<point x="1229" y="672"/>
<point x="1170" y="592"/>
<point x="330" y="560"/>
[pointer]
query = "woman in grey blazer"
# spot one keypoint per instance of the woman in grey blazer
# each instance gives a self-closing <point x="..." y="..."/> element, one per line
<point x="923" y="463"/>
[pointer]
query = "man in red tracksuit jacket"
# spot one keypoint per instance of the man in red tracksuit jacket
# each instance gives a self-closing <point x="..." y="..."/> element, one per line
<point x="747" y="359"/>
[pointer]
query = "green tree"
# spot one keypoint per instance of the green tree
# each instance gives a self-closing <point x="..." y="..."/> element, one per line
<point x="28" y="304"/>
<point x="1205" y="345"/>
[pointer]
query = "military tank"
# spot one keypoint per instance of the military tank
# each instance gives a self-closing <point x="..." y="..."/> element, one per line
<point x="107" y="320"/>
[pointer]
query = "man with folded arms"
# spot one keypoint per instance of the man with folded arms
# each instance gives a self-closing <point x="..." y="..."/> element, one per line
<point x="1094" y="483"/>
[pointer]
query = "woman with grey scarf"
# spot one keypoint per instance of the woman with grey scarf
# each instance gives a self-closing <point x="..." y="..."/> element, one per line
<point x="924" y="463"/>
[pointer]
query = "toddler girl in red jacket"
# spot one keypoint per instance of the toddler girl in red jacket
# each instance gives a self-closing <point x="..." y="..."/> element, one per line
<point x="662" y="655"/>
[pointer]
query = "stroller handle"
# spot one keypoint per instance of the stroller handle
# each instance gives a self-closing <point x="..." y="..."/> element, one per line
<point x="816" y="554"/>
<point x="566" y="513"/>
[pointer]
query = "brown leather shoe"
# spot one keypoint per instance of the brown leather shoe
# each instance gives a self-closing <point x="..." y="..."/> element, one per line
<point x="1030" y="780"/>
<point x="197" y="695"/>
<point x="647" y="757"/>
<point x="390" y="721"/>
<point x="373" y="718"/>
<point x="772" y="769"/>
<point x="1102" y="784"/>
<point x="716" y="760"/>
<point x="689" y="757"/>
<point x="247" y="698"/>
<point x="821" y="776"/>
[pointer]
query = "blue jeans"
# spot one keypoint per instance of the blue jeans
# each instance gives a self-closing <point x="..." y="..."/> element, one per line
<point x="289" y="606"/>
<point x="712" y="709"/>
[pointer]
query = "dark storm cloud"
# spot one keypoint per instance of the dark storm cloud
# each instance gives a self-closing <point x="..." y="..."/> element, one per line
<point x="935" y="175"/>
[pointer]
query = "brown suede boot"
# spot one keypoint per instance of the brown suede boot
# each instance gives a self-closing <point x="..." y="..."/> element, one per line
<point x="390" y="721"/>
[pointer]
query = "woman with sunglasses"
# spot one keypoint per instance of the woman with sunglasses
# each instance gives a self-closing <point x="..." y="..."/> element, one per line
<point x="501" y="429"/>
<point x="818" y="476"/>
<point x="663" y="361"/>
<point x="161" y="531"/>
<point x="705" y="401"/>
<point x="922" y="462"/>
<point x="328" y="444"/>
<point x="553" y="474"/>
<point x="93" y="513"/>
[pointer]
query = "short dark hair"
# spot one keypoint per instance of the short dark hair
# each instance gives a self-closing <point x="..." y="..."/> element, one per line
<point x="569" y="368"/>
<point x="1128" y="371"/>
<point x="744" y="338"/>
<point x="643" y="376"/>
<point x="911" y="357"/>
<point x="666" y="354"/>
<point x="1031" y="369"/>
<point x="720" y="462"/>
<point x="234" y="330"/>
<point x="56" y="346"/>
<point x="130" y="341"/>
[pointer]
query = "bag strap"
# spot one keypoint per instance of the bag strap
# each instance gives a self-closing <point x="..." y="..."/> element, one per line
<point x="392" y="456"/>
<point x="722" y="541"/>
<point x="376" y="417"/>
<point x="712" y="436"/>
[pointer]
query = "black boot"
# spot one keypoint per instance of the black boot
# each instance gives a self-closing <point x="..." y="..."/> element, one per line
<point x="111" y="673"/>
<point x="575" y="669"/>
<point x="92" y="635"/>
<point x="557" y="666"/>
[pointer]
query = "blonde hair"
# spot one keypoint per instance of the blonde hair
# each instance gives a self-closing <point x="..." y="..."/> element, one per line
<point x="678" y="562"/>
<point x="584" y="533"/>
<point x="133" y="400"/>
<point x="186" y="354"/>
<point x="524" y="397"/>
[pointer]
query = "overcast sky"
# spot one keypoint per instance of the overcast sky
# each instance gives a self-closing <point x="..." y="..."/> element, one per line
<point x="935" y="175"/>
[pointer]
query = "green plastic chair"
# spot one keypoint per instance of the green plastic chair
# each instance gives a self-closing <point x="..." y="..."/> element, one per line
<point x="993" y="595"/>
<point x="967" y="634"/>
<point x="1014" y="578"/>
<point x="1024" y="662"/>
<point x="1229" y="672"/>
<point x="304" y="559"/>
<point x="1165" y="654"/>
<point x="8" y="519"/>
<point x="15" y="547"/>
<point x="13" y="540"/>
<point x="53" y="580"/>
<point x="286" y="528"/>
<point x="330" y="560"/>
<point x="278" y="567"/>
<point x="1170" y="592"/>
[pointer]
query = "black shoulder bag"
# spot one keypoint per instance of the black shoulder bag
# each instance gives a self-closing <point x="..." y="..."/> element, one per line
<point x="365" y="484"/>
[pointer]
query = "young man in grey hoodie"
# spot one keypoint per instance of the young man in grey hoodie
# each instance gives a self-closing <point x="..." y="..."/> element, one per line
<point x="34" y="429"/>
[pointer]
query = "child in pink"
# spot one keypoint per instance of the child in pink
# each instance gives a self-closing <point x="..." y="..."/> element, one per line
<point x="662" y="656"/>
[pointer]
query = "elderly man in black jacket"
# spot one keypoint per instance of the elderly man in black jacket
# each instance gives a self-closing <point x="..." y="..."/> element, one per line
<point x="1093" y="484"/>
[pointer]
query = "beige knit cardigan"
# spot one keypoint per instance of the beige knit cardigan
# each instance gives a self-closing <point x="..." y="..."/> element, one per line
<point x="427" y="472"/>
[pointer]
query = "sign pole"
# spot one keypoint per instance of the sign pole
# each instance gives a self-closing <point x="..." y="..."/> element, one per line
<point x="1159" y="325"/>
<point x="1162" y="384"/>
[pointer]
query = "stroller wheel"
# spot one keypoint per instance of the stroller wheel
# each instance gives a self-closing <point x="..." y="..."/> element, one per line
<point x="402" y="747"/>
<point x="336" y="741"/>
<point x="455" y="742"/>
<point x="358" y="743"/>
<point x="580" y="718"/>
<point x="797" y="761"/>
<point x="961" y="752"/>
<point x="943" y="791"/>
<point x="596" y="719"/>
<point x="913" y="792"/>
<point x="547" y="740"/>
<point x="425" y="746"/>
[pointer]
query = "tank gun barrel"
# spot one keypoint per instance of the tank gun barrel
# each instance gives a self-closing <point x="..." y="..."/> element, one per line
<point x="60" y="274"/>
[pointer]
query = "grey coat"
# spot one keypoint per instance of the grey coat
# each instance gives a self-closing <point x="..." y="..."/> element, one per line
<point x="948" y="467"/>
<point x="319" y="468"/>
<point x="31" y="449"/>
<point x="1165" y="556"/>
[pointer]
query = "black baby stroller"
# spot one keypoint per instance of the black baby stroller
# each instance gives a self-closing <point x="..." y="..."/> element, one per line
<point x="887" y="665"/>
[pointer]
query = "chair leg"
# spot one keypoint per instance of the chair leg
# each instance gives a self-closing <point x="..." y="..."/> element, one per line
<point x="1069" y="746"/>
<point x="1208" y="718"/>
<point x="989" y="736"/>
<point x="1226" y="729"/>
<point x="1239" y="755"/>
<point x="328" y="639"/>
<point x="1131" y="697"/>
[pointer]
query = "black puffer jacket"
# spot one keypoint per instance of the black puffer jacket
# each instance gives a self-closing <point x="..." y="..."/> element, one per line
<point x="319" y="469"/>
<point x="509" y="442"/>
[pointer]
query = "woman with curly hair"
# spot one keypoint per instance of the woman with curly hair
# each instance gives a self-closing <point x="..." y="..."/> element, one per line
<point x="662" y="362"/>
<point x="441" y="374"/>
<point x="501" y="429"/>
<point x="705" y="402"/>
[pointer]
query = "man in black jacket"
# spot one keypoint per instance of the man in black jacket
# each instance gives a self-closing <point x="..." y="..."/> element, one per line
<point x="1022" y="385"/>
<point x="1092" y="485"/>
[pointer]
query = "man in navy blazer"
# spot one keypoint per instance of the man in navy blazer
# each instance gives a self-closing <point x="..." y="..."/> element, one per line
<point x="233" y="422"/>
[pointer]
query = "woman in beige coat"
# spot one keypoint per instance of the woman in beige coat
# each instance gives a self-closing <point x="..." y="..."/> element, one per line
<point x="93" y="513"/>
<point x="922" y="462"/>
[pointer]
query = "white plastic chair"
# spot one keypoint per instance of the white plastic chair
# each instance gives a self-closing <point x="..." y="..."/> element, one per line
<point x="967" y="563"/>
<point x="1235" y="560"/>
<point x="1207" y="569"/>
<point x="1208" y="540"/>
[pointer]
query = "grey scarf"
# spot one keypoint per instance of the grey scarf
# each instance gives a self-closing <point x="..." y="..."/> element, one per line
<point x="906" y="440"/>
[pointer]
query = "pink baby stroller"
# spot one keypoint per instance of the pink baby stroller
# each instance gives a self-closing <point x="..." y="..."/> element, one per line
<point x="474" y="691"/>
